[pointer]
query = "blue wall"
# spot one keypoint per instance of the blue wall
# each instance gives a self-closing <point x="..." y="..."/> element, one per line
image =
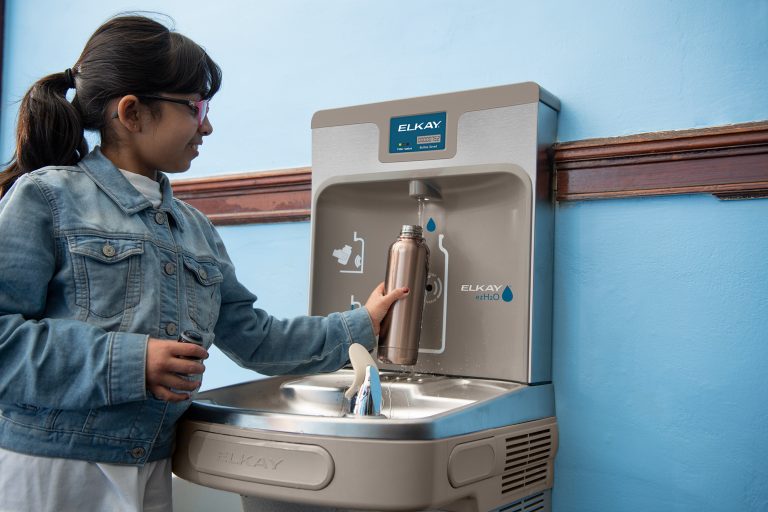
<point x="661" y="303"/>
<point x="660" y="355"/>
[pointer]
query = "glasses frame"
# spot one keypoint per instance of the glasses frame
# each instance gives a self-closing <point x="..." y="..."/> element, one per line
<point x="199" y="107"/>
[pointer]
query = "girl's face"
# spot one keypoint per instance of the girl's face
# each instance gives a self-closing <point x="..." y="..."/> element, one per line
<point x="171" y="138"/>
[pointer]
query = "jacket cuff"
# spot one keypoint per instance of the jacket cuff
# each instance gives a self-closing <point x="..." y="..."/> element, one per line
<point x="127" y="367"/>
<point x="358" y="323"/>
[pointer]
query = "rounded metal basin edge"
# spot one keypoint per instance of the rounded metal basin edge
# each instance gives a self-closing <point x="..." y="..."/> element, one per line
<point x="414" y="406"/>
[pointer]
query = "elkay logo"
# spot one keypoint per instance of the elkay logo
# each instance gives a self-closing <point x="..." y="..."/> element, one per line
<point x="488" y="292"/>
<point x="253" y="461"/>
<point x="413" y="127"/>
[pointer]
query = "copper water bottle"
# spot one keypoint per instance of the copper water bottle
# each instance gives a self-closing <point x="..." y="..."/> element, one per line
<point x="407" y="265"/>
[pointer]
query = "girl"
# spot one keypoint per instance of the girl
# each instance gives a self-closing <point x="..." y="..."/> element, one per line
<point x="102" y="270"/>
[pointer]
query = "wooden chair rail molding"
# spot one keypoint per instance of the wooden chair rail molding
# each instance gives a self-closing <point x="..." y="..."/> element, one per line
<point x="727" y="161"/>
<point x="254" y="197"/>
<point x="730" y="162"/>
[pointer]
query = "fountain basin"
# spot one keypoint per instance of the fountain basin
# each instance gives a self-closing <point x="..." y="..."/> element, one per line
<point x="414" y="406"/>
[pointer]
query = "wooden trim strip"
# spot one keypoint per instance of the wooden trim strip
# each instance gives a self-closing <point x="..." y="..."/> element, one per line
<point x="723" y="161"/>
<point x="257" y="197"/>
<point x="730" y="162"/>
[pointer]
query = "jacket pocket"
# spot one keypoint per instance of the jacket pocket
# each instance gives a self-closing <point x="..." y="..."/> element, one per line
<point x="107" y="273"/>
<point x="203" y="280"/>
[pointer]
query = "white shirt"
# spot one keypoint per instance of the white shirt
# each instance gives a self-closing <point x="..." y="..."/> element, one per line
<point x="148" y="187"/>
<point x="41" y="484"/>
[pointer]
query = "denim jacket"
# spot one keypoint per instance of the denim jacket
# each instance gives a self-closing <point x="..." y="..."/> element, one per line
<point x="88" y="271"/>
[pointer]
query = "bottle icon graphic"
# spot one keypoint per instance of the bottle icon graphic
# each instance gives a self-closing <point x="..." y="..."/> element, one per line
<point x="344" y="256"/>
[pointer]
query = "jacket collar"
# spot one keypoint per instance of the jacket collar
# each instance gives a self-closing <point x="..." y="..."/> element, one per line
<point x="112" y="182"/>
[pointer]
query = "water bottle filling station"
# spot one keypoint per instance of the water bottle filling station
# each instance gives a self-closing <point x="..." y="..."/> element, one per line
<point x="470" y="425"/>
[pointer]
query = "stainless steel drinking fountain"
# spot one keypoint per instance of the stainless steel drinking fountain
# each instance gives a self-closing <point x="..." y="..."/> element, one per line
<point x="470" y="427"/>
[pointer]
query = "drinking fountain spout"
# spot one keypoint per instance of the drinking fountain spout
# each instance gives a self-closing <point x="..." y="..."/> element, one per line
<point x="364" y="394"/>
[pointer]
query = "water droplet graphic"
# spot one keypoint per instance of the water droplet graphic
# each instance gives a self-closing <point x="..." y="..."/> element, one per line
<point x="507" y="295"/>
<point x="431" y="226"/>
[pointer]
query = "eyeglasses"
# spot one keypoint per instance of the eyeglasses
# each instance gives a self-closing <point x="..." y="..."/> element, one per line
<point x="199" y="107"/>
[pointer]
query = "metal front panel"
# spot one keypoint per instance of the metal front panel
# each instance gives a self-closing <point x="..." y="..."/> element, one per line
<point x="379" y="474"/>
<point x="454" y="105"/>
<point x="499" y="135"/>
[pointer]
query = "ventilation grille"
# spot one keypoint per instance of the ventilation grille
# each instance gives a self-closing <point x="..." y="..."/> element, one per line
<point x="527" y="461"/>
<point x="532" y="503"/>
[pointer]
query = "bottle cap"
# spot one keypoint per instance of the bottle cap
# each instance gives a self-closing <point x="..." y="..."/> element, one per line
<point x="411" y="230"/>
<point x="191" y="337"/>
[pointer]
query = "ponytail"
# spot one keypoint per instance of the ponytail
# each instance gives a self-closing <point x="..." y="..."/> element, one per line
<point x="49" y="131"/>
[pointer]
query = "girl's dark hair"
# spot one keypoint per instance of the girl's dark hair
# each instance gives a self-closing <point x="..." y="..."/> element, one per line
<point x="129" y="54"/>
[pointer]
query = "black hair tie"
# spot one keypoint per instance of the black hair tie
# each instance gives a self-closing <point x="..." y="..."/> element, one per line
<point x="69" y="77"/>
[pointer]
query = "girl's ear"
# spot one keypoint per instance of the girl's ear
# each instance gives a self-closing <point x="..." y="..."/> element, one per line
<point x="129" y="110"/>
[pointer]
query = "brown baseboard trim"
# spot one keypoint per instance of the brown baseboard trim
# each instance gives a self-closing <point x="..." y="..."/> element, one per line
<point x="730" y="162"/>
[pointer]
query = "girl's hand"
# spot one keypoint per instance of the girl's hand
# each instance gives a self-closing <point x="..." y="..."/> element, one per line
<point x="378" y="304"/>
<point x="164" y="364"/>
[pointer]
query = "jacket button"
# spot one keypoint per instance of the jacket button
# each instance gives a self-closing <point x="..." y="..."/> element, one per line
<point x="108" y="250"/>
<point x="138" y="452"/>
<point x="203" y="274"/>
<point x="170" y="268"/>
<point x="171" y="329"/>
<point x="160" y="218"/>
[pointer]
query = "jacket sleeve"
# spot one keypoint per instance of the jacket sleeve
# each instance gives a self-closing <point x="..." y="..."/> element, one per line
<point x="48" y="362"/>
<point x="272" y="346"/>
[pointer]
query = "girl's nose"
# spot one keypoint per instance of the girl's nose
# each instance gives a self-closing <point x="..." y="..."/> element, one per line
<point x="206" y="128"/>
